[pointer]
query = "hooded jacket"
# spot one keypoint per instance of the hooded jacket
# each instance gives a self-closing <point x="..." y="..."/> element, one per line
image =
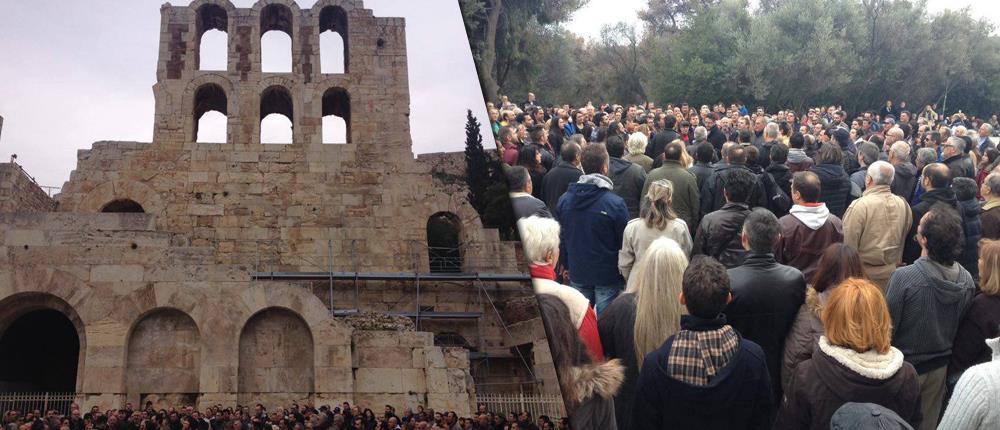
<point x="806" y="232"/>
<point x="904" y="181"/>
<point x="835" y="187"/>
<point x="737" y="397"/>
<point x="718" y="235"/>
<point x="593" y="225"/>
<point x="798" y="161"/>
<point x="927" y="301"/>
<point x="593" y="387"/>
<point x="836" y="375"/>
<point x="876" y="225"/>
<point x="628" y="179"/>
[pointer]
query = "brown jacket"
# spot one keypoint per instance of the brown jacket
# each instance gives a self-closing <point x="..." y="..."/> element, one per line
<point x="802" y="338"/>
<point x="876" y="225"/>
<point x="990" y="217"/>
<point x="805" y="234"/>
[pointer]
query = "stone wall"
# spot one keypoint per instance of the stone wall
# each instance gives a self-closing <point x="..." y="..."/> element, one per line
<point x="18" y="193"/>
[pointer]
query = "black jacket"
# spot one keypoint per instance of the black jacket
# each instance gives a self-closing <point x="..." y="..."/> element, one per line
<point x="717" y="138"/>
<point x="556" y="182"/>
<point x="911" y="248"/>
<point x="904" y="181"/>
<point x="766" y="299"/>
<point x="738" y="397"/>
<point x="628" y="178"/>
<point x="711" y="191"/>
<point x="764" y="158"/>
<point x="960" y="166"/>
<point x="781" y="176"/>
<point x="702" y="172"/>
<point x="659" y="143"/>
<point x="718" y="235"/>
<point x="835" y="187"/>
<point x="973" y="229"/>
<point x="616" y="325"/>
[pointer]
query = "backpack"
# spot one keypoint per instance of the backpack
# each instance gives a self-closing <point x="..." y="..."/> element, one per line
<point x="778" y="201"/>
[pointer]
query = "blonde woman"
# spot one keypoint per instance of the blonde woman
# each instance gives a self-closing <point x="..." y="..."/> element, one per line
<point x="853" y="363"/>
<point x="656" y="219"/>
<point x="642" y="317"/>
<point x="637" y="151"/>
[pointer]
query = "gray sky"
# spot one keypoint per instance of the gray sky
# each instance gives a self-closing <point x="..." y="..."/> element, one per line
<point x="588" y="20"/>
<point x="76" y="72"/>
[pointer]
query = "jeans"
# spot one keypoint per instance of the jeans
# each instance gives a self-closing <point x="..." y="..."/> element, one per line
<point x="600" y="296"/>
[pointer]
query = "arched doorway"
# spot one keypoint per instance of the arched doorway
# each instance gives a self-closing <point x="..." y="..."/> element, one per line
<point x="275" y="357"/>
<point x="444" y="240"/>
<point x="163" y="364"/>
<point x="123" y="206"/>
<point x="41" y="352"/>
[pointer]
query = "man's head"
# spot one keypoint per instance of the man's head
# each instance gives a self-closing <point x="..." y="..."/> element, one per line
<point x="779" y="154"/>
<point x="965" y="188"/>
<point x="899" y="152"/>
<point x="805" y="188"/>
<point x="797" y="141"/>
<point x="830" y="154"/>
<point x="991" y="186"/>
<point x="570" y="152"/>
<point x="705" y="288"/>
<point x="893" y="135"/>
<point x="703" y="152"/>
<point x="615" y="146"/>
<point x="940" y="234"/>
<point x="758" y="124"/>
<point x="519" y="180"/>
<point x="879" y="173"/>
<point x="771" y="132"/>
<point x="594" y="159"/>
<point x="760" y="231"/>
<point x="674" y="150"/>
<point x="985" y="130"/>
<point x="936" y="176"/>
<point x="737" y="154"/>
<point x="953" y="146"/>
<point x="739" y="184"/>
<point x="867" y="153"/>
<point x="925" y="156"/>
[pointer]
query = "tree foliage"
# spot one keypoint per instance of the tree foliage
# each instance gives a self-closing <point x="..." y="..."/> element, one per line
<point x="776" y="53"/>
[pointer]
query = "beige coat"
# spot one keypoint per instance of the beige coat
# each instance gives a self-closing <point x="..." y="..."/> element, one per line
<point x="876" y="225"/>
<point x="638" y="237"/>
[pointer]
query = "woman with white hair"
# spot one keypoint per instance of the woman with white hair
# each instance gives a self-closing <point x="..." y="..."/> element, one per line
<point x="637" y="151"/>
<point x="540" y="240"/>
<point x="644" y="316"/>
<point x="656" y="219"/>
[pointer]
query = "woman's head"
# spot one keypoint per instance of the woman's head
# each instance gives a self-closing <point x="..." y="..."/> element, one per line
<point x="989" y="267"/>
<point x="528" y="157"/>
<point x="857" y="317"/>
<point x="838" y="262"/>
<point x="637" y="143"/>
<point x="656" y="283"/>
<point x="656" y="208"/>
<point x="540" y="239"/>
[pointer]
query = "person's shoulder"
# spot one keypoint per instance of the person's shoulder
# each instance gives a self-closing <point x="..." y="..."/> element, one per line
<point x="753" y="352"/>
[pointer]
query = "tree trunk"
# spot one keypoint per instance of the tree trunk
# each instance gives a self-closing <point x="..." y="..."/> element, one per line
<point x="487" y="58"/>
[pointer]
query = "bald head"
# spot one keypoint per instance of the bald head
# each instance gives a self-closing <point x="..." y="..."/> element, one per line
<point x="936" y="176"/>
<point x="805" y="187"/>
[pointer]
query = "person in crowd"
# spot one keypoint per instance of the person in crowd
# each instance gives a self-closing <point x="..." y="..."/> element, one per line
<point x="540" y="240"/>
<point x="972" y="226"/>
<point x="854" y="362"/>
<point x="925" y="157"/>
<point x="937" y="183"/>
<point x="702" y="167"/>
<point x="837" y="263"/>
<point x="639" y="320"/>
<point x="557" y="134"/>
<point x="834" y="182"/>
<point x="982" y="320"/>
<point x="734" y="158"/>
<point x="877" y="223"/>
<point x="904" y="181"/>
<point x="555" y="183"/>
<point x="627" y="178"/>
<point x="770" y="140"/>
<point x="509" y="144"/>
<point x="953" y="154"/>
<point x="983" y="141"/>
<point x="522" y="202"/>
<point x="927" y="300"/>
<point x="530" y="159"/>
<point x="593" y="220"/>
<point x="719" y="233"/>
<point x="989" y="162"/>
<point x="849" y="152"/>
<point x="798" y="161"/>
<point x="808" y="229"/>
<point x="700" y="136"/>
<point x="685" y="196"/>
<point x="715" y="136"/>
<point x="706" y="376"/>
<point x="779" y="171"/>
<point x="973" y="405"/>
<point x="588" y="386"/>
<point x="766" y="294"/>
<point x="656" y="219"/>
<point x="637" y="151"/>
<point x="540" y="142"/>
<point x="662" y="138"/>
<point x="990" y="215"/>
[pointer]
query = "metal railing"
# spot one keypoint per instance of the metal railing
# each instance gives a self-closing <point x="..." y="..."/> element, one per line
<point x="43" y="401"/>
<point x="537" y="404"/>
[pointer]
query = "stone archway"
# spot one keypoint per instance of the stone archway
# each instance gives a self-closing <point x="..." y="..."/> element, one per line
<point x="43" y="343"/>
<point x="276" y="358"/>
<point x="163" y="362"/>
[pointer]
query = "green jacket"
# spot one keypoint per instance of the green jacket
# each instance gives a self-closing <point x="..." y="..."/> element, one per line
<point x="685" y="199"/>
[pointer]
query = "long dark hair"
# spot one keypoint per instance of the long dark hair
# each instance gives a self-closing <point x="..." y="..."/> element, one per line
<point x="526" y="157"/>
<point x="838" y="262"/>
<point x="565" y="344"/>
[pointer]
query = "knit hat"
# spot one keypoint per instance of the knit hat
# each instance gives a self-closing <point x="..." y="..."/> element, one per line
<point x="866" y="416"/>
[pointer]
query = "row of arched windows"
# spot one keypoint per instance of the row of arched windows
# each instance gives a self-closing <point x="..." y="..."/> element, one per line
<point x="275" y="41"/>
<point x="276" y="115"/>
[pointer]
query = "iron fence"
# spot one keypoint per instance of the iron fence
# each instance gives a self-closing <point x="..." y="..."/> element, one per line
<point x="536" y="404"/>
<point x="44" y="401"/>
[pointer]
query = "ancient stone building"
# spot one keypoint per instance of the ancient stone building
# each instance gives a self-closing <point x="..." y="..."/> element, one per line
<point x="176" y="271"/>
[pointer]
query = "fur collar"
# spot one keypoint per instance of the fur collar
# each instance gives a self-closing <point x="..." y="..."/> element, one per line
<point x="575" y="301"/>
<point x="869" y="364"/>
<point x="597" y="379"/>
<point x="812" y="301"/>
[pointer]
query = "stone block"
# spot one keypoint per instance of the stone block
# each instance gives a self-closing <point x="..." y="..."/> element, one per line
<point x="384" y="356"/>
<point x="18" y="237"/>
<point x="437" y="380"/>
<point x="117" y="273"/>
<point x="450" y="402"/>
<point x="374" y="380"/>
<point x="413" y="380"/>
<point x="334" y="379"/>
<point x="364" y="339"/>
<point x="434" y="357"/>
<point x="456" y="358"/>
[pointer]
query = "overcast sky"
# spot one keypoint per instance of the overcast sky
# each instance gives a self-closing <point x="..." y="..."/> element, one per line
<point x="588" y="20"/>
<point x="76" y="72"/>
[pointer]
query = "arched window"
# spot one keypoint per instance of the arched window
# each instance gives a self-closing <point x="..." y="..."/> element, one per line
<point x="333" y="40"/>
<point x="123" y="206"/>
<point x="336" y="116"/>
<point x="276" y="115"/>
<point x="213" y="42"/>
<point x="210" y="128"/>
<point x="444" y="232"/>
<point x="48" y="352"/>
<point x="276" y="39"/>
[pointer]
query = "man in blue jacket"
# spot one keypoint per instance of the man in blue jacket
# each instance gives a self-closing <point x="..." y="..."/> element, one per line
<point x="593" y="220"/>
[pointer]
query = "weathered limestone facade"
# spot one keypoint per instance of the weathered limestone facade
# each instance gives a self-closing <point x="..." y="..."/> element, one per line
<point x="163" y="301"/>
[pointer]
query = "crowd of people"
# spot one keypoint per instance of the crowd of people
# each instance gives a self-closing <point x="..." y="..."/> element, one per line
<point x="721" y="268"/>
<point x="293" y="417"/>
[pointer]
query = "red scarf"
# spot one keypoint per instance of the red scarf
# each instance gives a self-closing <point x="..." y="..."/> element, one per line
<point x="543" y="272"/>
